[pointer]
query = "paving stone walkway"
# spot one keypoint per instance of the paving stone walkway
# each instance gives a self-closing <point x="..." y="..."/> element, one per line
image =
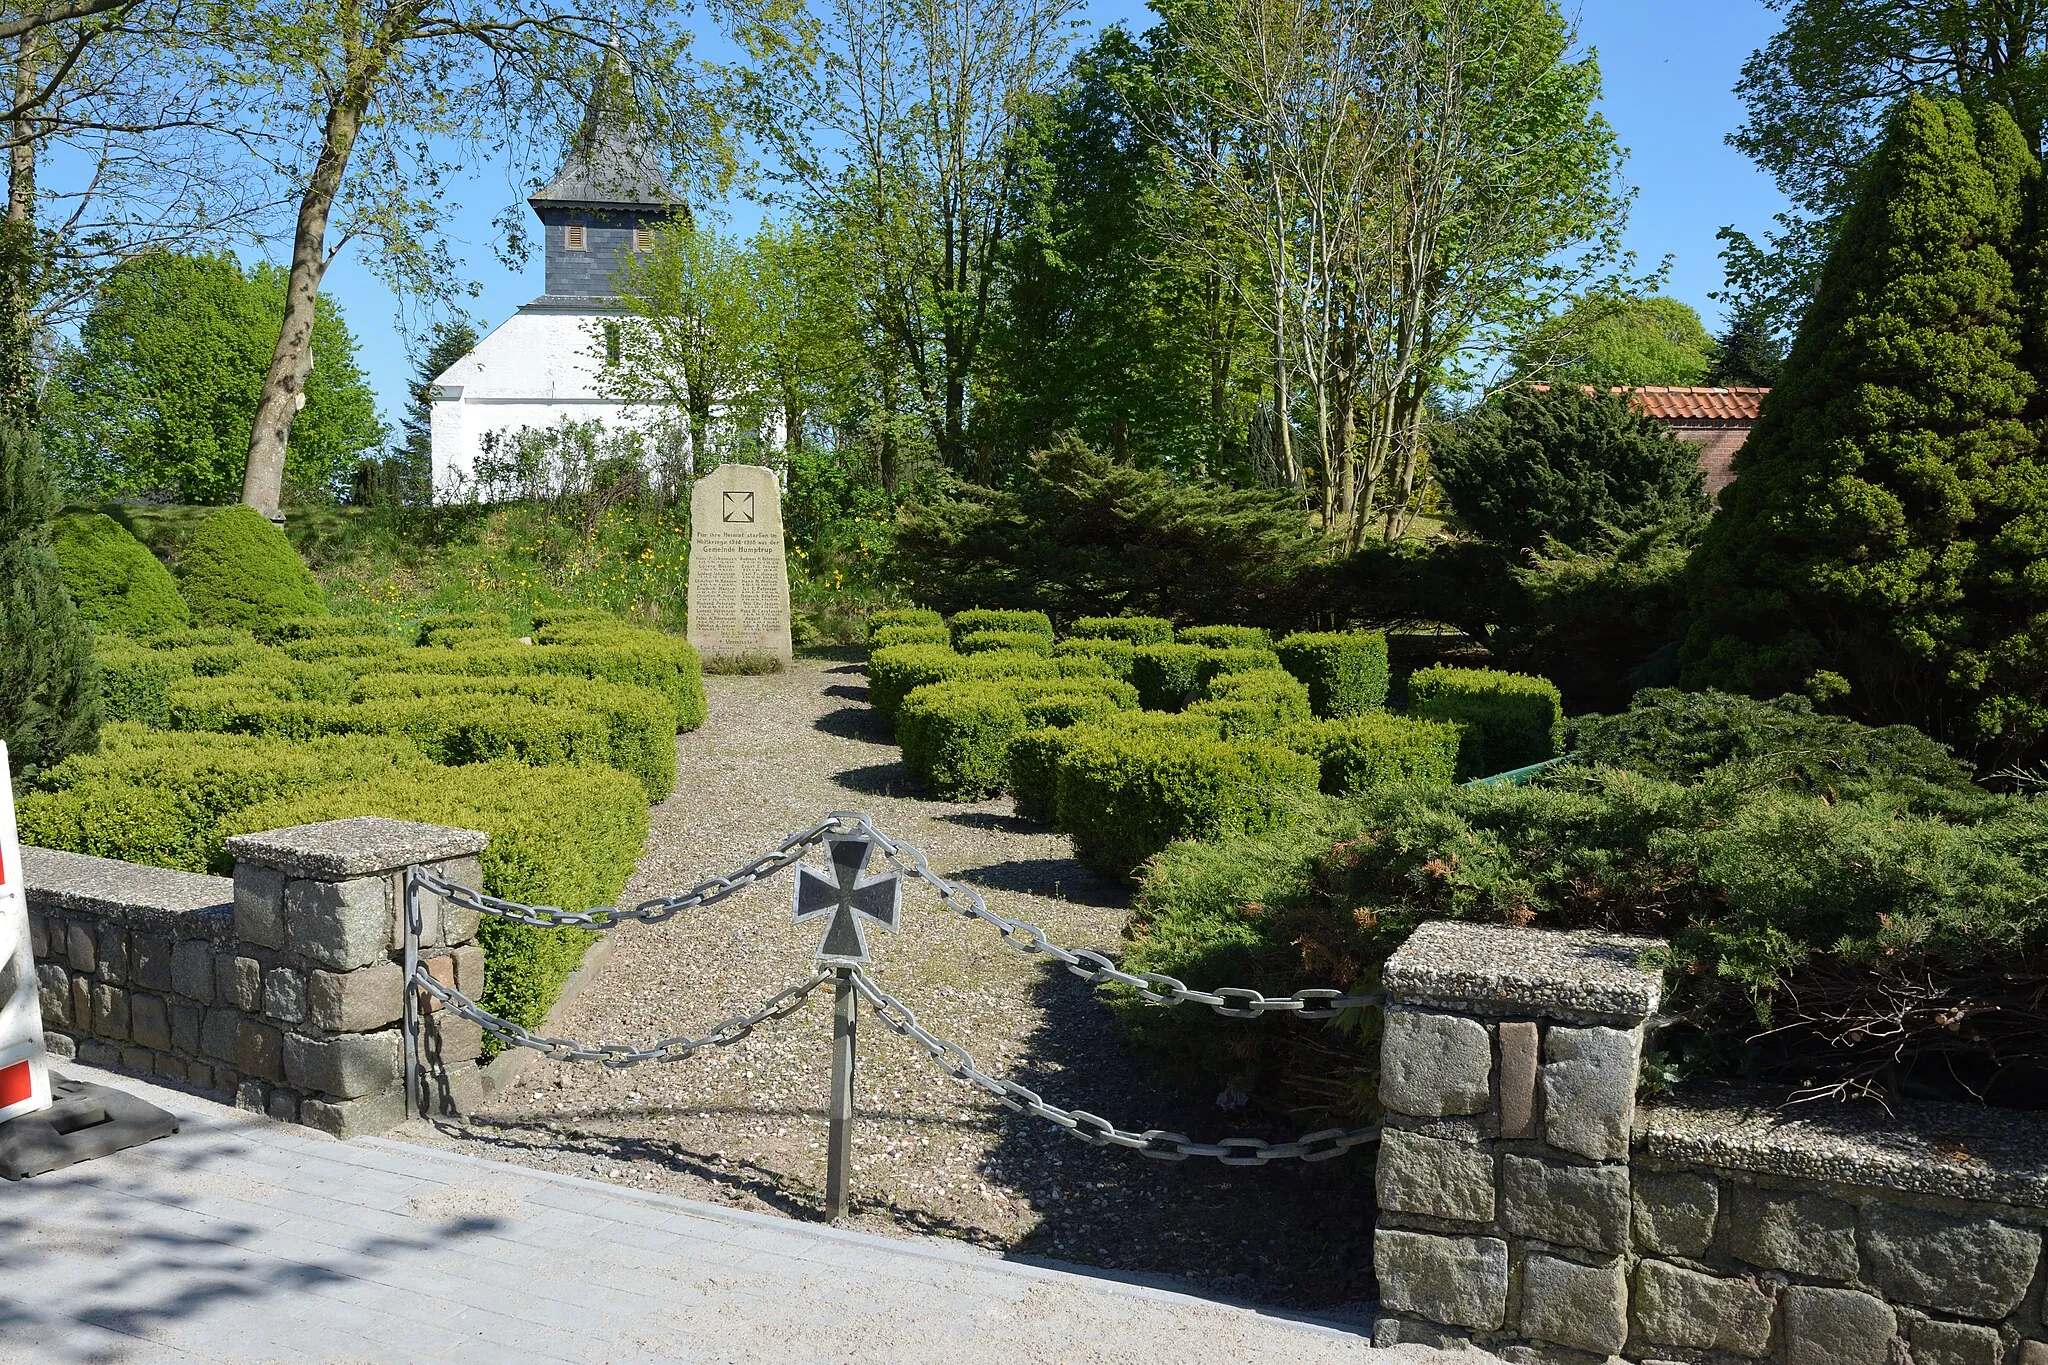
<point x="239" y="1239"/>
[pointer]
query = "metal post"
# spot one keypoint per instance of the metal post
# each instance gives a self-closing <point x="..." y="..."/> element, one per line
<point x="839" y="1139"/>
<point x="412" y="994"/>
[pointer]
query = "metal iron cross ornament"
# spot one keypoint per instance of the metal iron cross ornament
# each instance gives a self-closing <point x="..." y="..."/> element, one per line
<point x="848" y="898"/>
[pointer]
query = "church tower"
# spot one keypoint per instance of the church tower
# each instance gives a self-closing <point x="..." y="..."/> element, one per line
<point x="541" y="365"/>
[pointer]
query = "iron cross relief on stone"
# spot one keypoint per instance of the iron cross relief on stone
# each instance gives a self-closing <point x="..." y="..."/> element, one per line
<point x="848" y="898"/>
<point x="738" y="506"/>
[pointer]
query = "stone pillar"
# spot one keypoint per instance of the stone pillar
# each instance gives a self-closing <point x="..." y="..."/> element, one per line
<point x="320" y="932"/>
<point x="1508" y="1073"/>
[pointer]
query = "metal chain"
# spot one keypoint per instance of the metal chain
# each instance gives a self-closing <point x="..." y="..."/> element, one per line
<point x="723" y="1034"/>
<point x="1093" y="1128"/>
<point x="1022" y="936"/>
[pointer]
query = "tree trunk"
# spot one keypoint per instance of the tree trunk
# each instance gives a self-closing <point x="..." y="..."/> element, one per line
<point x="18" y="406"/>
<point x="284" y="386"/>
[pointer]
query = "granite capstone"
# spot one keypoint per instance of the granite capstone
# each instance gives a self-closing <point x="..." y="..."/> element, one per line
<point x="360" y="846"/>
<point x="1501" y="970"/>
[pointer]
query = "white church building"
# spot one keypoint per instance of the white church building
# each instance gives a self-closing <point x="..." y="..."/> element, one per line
<point x="541" y="365"/>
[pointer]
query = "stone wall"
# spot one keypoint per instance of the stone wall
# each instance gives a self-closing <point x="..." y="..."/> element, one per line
<point x="1527" y="1206"/>
<point x="279" y="988"/>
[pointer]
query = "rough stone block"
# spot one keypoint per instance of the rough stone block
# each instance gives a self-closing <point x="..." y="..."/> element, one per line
<point x="346" y="1067"/>
<point x="81" y="1003"/>
<point x="186" y="1019"/>
<point x="1584" y="1306"/>
<point x="1459" y="1281"/>
<point x="259" y="1050"/>
<point x="1518" y="1066"/>
<point x="246" y="992"/>
<point x="1837" y="1327"/>
<point x="283" y="1106"/>
<point x="353" y="1118"/>
<point x="111" y="944"/>
<point x="1973" y="1267"/>
<point x="149" y="1024"/>
<point x="53" y="993"/>
<point x="2033" y="1353"/>
<point x="1589" y="1089"/>
<point x="95" y="1053"/>
<point x="80" y="948"/>
<point x="1954" y="1343"/>
<point x="454" y="1091"/>
<point x="259" y="905"/>
<point x="469" y="970"/>
<point x="137" y="1060"/>
<point x="110" y="1012"/>
<point x="1674" y="1214"/>
<point x="1579" y="1206"/>
<point x="253" y="1096"/>
<point x="284" y="995"/>
<point x="150" y="964"/>
<point x="343" y="925"/>
<point x="38" y="937"/>
<point x="459" y="922"/>
<point x="217" y="1034"/>
<point x="1424" y="1175"/>
<point x="192" y="970"/>
<point x="446" y="1040"/>
<point x="1432" y="1064"/>
<point x="1679" y="1307"/>
<point x="356" y="1002"/>
<point x="1806" y="1234"/>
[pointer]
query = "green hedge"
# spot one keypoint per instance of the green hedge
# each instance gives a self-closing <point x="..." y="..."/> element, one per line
<point x="620" y="654"/>
<point x="1225" y="637"/>
<point x="342" y="630"/>
<point x="238" y="570"/>
<point x="1133" y="630"/>
<point x="1125" y="795"/>
<point x="1511" y="719"/>
<point x="894" y="672"/>
<point x="1346" y="671"/>
<point x="988" y="641"/>
<point x="1116" y="655"/>
<point x="967" y="622"/>
<point x="885" y="636"/>
<point x="1168" y="677"/>
<point x="113" y="579"/>
<point x="1073" y="701"/>
<point x="920" y="618"/>
<point x="1031" y="770"/>
<point x="955" y="734"/>
<point x="1378" y="749"/>
<point x="1254" y="703"/>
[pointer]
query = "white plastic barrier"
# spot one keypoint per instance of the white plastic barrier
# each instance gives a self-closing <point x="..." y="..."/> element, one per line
<point x="24" y="1069"/>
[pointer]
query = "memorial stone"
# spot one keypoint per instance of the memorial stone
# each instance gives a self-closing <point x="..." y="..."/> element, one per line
<point x="739" y="580"/>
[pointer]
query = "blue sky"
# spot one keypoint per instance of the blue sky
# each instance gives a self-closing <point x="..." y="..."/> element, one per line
<point x="1668" y="66"/>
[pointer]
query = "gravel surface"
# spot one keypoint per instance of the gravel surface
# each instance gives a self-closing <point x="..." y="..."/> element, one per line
<point x="746" y="1126"/>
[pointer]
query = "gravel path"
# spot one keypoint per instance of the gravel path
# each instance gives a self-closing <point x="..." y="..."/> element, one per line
<point x="746" y="1126"/>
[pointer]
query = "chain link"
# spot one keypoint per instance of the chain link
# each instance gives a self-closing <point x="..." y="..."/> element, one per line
<point x="1093" y="1128"/>
<point x="723" y="1034"/>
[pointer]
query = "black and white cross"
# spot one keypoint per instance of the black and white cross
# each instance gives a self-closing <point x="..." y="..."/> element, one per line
<point x="848" y="898"/>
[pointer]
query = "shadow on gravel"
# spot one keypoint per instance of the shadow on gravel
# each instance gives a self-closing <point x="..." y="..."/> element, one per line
<point x="994" y="821"/>
<point x="1287" y="1235"/>
<point x="855" y="722"/>
<point x="878" y="779"/>
<point x="1059" y="878"/>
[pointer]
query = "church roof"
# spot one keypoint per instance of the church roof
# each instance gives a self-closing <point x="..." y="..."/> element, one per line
<point x="609" y="164"/>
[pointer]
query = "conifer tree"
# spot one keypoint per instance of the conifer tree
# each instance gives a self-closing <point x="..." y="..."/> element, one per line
<point x="1853" y="556"/>
<point x="49" y="686"/>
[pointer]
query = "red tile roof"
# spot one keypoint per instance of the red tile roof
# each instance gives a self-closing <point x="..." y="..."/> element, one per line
<point x="1697" y="404"/>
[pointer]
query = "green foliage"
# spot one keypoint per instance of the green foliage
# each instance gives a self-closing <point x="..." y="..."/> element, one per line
<point x="1882" y="541"/>
<point x="893" y="672"/>
<point x="1614" y="341"/>
<point x="49" y="686"/>
<point x="1681" y="736"/>
<point x="1510" y="720"/>
<point x="1345" y="671"/>
<point x="113" y="579"/>
<point x="955" y="734"/>
<point x="976" y="619"/>
<point x="1566" y="465"/>
<point x="1024" y="641"/>
<point x="1031" y="769"/>
<point x="1377" y="749"/>
<point x="1124" y="795"/>
<point x="884" y="636"/>
<point x="135" y="682"/>
<point x="1257" y="703"/>
<point x="1116" y="655"/>
<point x="160" y="392"/>
<point x="347" y="632"/>
<point x="919" y="618"/>
<point x="1078" y="534"/>
<point x="238" y="570"/>
<point x="1136" y="630"/>
<point x="1167" y="676"/>
<point x="1225" y="637"/>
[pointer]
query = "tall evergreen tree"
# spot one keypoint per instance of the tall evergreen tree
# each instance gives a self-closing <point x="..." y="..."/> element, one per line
<point x="447" y="343"/>
<point x="1749" y="352"/>
<point x="1860" y="551"/>
<point x="49" y="686"/>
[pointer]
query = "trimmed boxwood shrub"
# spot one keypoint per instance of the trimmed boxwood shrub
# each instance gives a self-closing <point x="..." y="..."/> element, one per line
<point x="620" y="654"/>
<point x="1116" y="655"/>
<point x="893" y="672"/>
<point x="343" y="630"/>
<point x="1125" y="795"/>
<point x="134" y="682"/>
<point x="1225" y="637"/>
<point x="1167" y="677"/>
<point x="1253" y="703"/>
<point x="113" y="579"/>
<point x="885" y="636"/>
<point x="987" y="641"/>
<point x="1346" y="670"/>
<point x="1073" y="701"/>
<point x="1377" y="749"/>
<point x="1511" y="719"/>
<point x="1133" y="630"/>
<point x="967" y="622"/>
<point x="922" y="618"/>
<point x="954" y="736"/>
<point x="238" y="570"/>
<point x="1032" y="767"/>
